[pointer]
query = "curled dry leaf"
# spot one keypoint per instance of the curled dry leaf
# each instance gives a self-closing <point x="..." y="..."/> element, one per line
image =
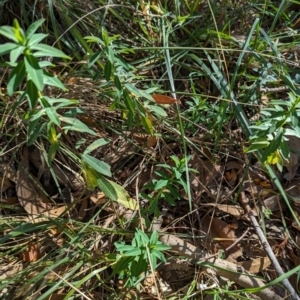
<point x="31" y="254"/>
<point x="98" y="198"/>
<point x="256" y="265"/>
<point x="223" y="233"/>
<point x="27" y="193"/>
<point x="163" y="99"/>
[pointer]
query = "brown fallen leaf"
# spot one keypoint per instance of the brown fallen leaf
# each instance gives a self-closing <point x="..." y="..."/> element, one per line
<point x="223" y="234"/>
<point x="256" y="265"/>
<point x="163" y="99"/>
<point x="32" y="253"/>
<point x="27" y="194"/>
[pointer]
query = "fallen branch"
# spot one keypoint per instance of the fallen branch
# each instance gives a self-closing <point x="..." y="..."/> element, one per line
<point x="245" y="205"/>
<point x="222" y="267"/>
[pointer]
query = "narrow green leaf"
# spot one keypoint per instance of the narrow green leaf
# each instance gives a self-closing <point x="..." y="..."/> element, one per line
<point x="76" y="125"/>
<point x="34" y="70"/>
<point x="34" y="131"/>
<point x="32" y="93"/>
<point x="96" y="164"/>
<point x="96" y="144"/>
<point x="35" y="39"/>
<point x="33" y="28"/>
<point x="8" y="32"/>
<point x="133" y="252"/>
<point x="52" y="115"/>
<point x="46" y="50"/>
<point x="6" y="48"/>
<point x="107" y="70"/>
<point x="15" y="53"/>
<point x="51" y="80"/>
<point x="16" y="77"/>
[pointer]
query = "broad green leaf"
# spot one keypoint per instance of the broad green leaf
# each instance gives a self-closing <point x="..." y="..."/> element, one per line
<point x="34" y="70"/>
<point x="52" y="115"/>
<point x="97" y="165"/>
<point x="8" y="32"/>
<point x="96" y="144"/>
<point x="36" y="38"/>
<point x="33" y="28"/>
<point x="117" y="193"/>
<point x="32" y="93"/>
<point x="46" y="50"/>
<point x="161" y="184"/>
<point x="90" y="175"/>
<point x="158" y="110"/>
<point x="76" y="125"/>
<point x="107" y="188"/>
<point x="16" y="77"/>
<point x="50" y="79"/>
<point x="6" y="48"/>
<point x="15" y="53"/>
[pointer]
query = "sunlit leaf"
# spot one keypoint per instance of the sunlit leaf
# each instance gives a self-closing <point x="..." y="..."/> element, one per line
<point x="34" y="70"/>
<point x="96" y="164"/>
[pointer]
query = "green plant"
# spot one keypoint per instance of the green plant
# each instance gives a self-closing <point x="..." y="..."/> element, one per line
<point x="168" y="184"/>
<point x="25" y="52"/>
<point x="132" y="260"/>
<point x="279" y="119"/>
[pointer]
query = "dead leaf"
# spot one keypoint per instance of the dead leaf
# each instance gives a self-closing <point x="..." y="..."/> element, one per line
<point x="222" y="233"/>
<point x="256" y="265"/>
<point x="31" y="254"/>
<point x="99" y="198"/>
<point x="27" y="194"/>
<point x="163" y="99"/>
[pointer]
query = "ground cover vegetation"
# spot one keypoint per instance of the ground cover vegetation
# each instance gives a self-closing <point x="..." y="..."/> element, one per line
<point x="149" y="149"/>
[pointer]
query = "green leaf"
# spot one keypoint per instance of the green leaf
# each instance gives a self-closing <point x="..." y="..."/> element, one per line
<point x="107" y="188"/>
<point x="16" y="77"/>
<point x="15" y="53"/>
<point x="90" y="175"/>
<point x="35" y="39"/>
<point x="137" y="92"/>
<point x="52" y="151"/>
<point x="6" y="48"/>
<point x="8" y="32"/>
<point x="107" y="70"/>
<point x="117" y="193"/>
<point x="46" y="50"/>
<point x="34" y="131"/>
<point x="50" y="79"/>
<point x="96" y="144"/>
<point x="52" y="115"/>
<point x="154" y="238"/>
<point x="160" y="184"/>
<point x="32" y="93"/>
<point x="33" y="28"/>
<point x="97" y="165"/>
<point x="34" y="70"/>
<point x="133" y="252"/>
<point x="76" y="125"/>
